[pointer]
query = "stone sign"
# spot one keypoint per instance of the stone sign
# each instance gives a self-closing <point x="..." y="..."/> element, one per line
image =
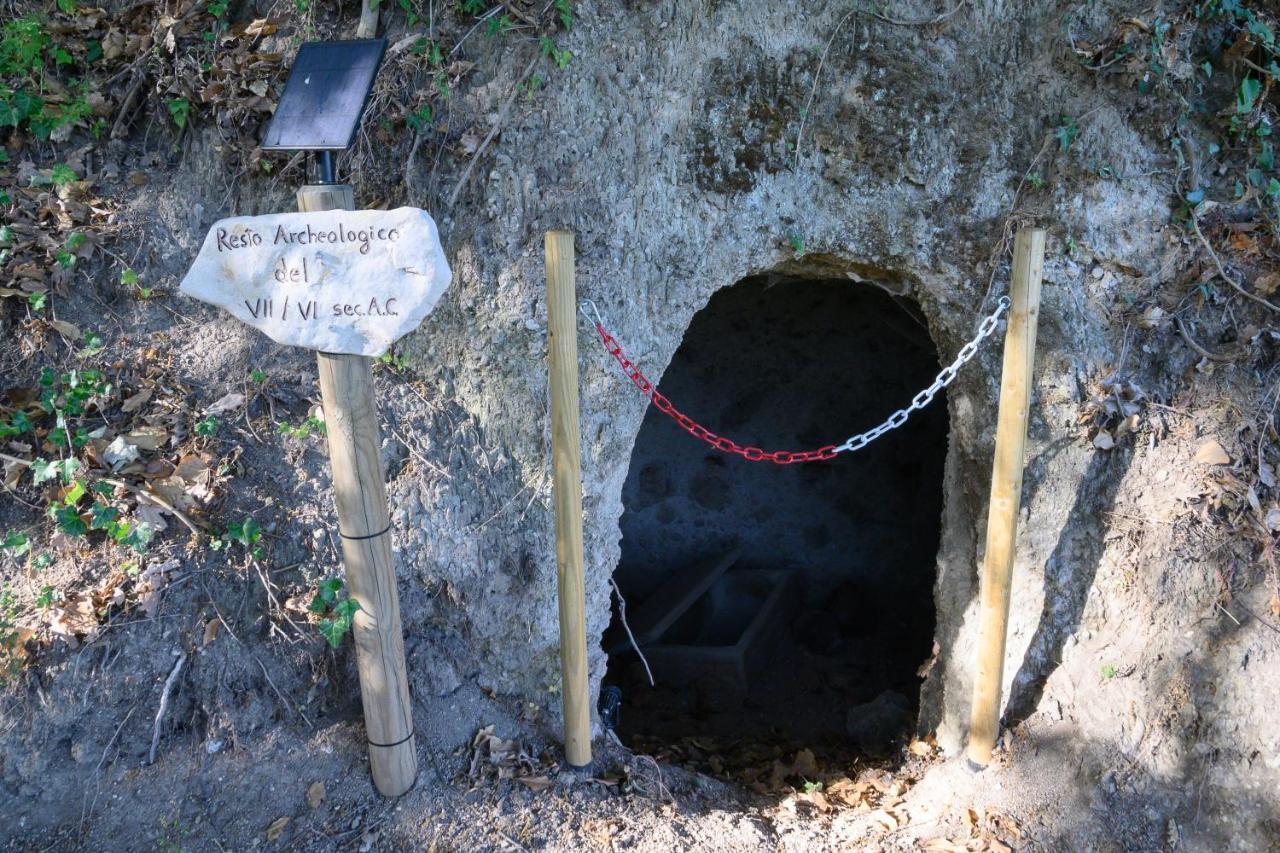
<point x="340" y="281"/>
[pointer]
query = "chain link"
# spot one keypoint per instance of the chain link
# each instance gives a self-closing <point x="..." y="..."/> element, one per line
<point x="788" y="457"/>
<point x="943" y="379"/>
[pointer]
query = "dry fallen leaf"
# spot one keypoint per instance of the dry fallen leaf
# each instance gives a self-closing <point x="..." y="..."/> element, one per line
<point x="921" y="748"/>
<point x="1266" y="284"/>
<point x="277" y="826"/>
<point x="135" y="402"/>
<point x="225" y="404"/>
<point x="315" y="794"/>
<point x="66" y="329"/>
<point x="119" y="452"/>
<point x="16" y="645"/>
<point x="1211" y="453"/>
<point x="147" y="438"/>
<point x="537" y="783"/>
<point x="74" y="619"/>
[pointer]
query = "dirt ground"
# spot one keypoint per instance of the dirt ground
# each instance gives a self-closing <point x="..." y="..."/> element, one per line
<point x="166" y="684"/>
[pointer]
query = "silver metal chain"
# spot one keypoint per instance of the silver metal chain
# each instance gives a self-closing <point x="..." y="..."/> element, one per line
<point x="925" y="397"/>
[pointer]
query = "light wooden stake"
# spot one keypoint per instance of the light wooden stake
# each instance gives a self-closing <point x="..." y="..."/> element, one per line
<point x="1006" y="490"/>
<point x="351" y="423"/>
<point x="567" y="467"/>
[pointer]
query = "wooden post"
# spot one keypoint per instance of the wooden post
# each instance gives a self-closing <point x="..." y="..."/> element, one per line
<point x="1006" y="490"/>
<point x="567" y="466"/>
<point x="367" y="27"/>
<point x="351" y="423"/>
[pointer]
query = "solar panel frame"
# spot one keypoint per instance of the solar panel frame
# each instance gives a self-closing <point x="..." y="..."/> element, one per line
<point x="325" y="96"/>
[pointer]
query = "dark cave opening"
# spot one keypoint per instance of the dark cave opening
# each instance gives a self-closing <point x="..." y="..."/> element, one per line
<point x="783" y="604"/>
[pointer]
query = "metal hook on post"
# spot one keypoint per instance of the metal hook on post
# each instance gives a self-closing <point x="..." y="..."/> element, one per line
<point x="599" y="321"/>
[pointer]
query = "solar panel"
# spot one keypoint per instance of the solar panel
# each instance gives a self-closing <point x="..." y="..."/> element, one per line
<point x="324" y="96"/>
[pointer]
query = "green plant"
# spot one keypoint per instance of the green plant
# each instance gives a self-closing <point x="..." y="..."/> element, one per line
<point x="22" y="45"/>
<point x="69" y="395"/>
<point x="16" y="424"/>
<point x="10" y="639"/>
<point x="564" y="8"/>
<point x="43" y="470"/>
<point x="419" y="120"/>
<point x="496" y="25"/>
<point x="796" y="242"/>
<point x="337" y="610"/>
<point x="207" y="426"/>
<point x="1108" y="671"/>
<point x="246" y="532"/>
<point x="129" y="278"/>
<point x="1065" y="132"/>
<point x="303" y="429"/>
<point x="411" y="15"/>
<point x="172" y="834"/>
<point x="561" y="58"/>
<point x="62" y="174"/>
<point x="93" y="344"/>
<point x="427" y="48"/>
<point x="179" y="111"/>
<point x="394" y="361"/>
<point x="48" y="595"/>
<point x="15" y="543"/>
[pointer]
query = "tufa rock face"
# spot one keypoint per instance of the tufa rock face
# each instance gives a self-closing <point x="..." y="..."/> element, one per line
<point x="338" y="281"/>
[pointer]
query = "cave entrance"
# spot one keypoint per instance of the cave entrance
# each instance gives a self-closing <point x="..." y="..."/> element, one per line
<point x="782" y="607"/>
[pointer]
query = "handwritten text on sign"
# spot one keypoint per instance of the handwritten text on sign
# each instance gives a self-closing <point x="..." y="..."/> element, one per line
<point x="340" y="281"/>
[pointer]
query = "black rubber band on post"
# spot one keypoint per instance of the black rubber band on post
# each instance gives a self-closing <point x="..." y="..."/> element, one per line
<point x="397" y="743"/>
<point x="386" y="529"/>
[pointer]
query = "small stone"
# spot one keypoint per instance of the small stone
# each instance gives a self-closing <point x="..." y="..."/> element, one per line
<point x="874" y="726"/>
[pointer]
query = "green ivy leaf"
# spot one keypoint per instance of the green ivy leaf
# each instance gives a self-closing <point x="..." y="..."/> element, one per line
<point x="68" y="520"/>
<point x="73" y="494"/>
<point x="102" y="516"/>
<point x="62" y="174"/>
<point x="1247" y="94"/>
<point x="246" y="532"/>
<point x="16" y="543"/>
<point x="334" y="629"/>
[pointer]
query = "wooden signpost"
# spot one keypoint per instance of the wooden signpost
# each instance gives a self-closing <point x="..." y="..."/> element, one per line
<point x="1006" y="490"/>
<point x="347" y="284"/>
<point x="562" y="329"/>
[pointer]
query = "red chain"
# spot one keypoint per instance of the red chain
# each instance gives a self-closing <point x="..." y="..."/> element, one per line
<point x="719" y="442"/>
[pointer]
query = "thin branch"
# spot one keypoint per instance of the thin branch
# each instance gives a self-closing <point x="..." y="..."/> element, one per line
<point x="164" y="706"/>
<point x="622" y="616"/>
<point x="150" y="498"/>
<point x="107" y="748"/>
<point x="1212" y="356"/>
<point x="1223" y="272"/>
<point x="817" y="75"/>
<point x="493" y="131"/>
<point x="936" y="19"/>
<point x="283" y="700"/>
